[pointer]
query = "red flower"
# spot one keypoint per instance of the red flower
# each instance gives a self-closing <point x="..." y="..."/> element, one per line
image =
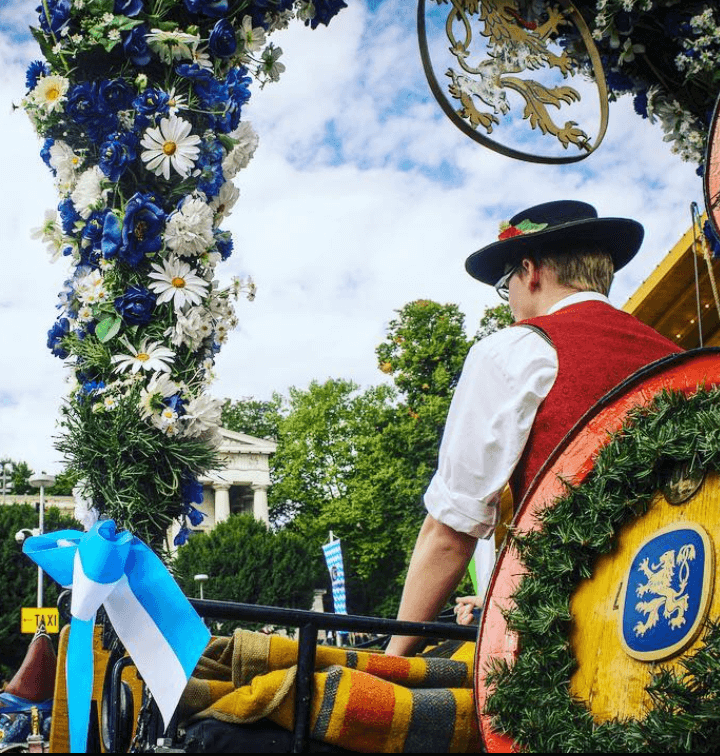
<point x="509" y="232"/>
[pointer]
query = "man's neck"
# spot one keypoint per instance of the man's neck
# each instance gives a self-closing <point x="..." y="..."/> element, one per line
<point x="548" y="298"/>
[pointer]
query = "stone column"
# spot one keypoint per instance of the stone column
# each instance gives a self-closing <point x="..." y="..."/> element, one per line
<point x="222" y="502"/>
<point x="260" y="503"/>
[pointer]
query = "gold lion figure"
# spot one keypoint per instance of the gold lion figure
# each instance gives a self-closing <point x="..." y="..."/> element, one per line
<point x="659" y="582"/>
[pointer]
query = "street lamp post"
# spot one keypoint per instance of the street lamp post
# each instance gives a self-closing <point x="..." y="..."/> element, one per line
<point x="42" y="482"/>
<point x="201" y="579"/>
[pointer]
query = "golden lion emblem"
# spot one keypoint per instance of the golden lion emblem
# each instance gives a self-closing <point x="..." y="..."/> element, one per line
<point x="674" y="603"/>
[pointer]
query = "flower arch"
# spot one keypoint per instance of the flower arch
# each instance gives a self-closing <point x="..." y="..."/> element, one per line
<point x="139" y="104"/>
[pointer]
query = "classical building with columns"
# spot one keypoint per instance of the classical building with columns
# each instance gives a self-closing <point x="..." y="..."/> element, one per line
<point x="240" y="486"/>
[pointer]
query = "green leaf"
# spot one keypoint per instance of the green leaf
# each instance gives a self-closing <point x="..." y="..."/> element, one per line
<point x="107" y="328"/>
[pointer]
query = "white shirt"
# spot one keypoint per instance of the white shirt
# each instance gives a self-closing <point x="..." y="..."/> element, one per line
<point x="504" y="380"/>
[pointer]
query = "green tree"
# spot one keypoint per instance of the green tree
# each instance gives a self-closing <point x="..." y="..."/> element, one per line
<point x="358" y="462"/>
<point x="494" y="319"/>
<point x="21" y="474"/>
<point x="20" y="579"/>
<point x="424" y="351"/>
<point x="249" y="563"/>
<point x="256" y="417"/>
<point x="19" y="477"/>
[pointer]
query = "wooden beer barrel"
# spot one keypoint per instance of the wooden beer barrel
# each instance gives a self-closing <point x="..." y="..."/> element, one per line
<point x="618" y="647"/>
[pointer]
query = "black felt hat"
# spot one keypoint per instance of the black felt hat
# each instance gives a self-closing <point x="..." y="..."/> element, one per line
<point x="547" y="227"/>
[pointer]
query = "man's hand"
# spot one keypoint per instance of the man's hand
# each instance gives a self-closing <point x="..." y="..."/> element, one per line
<point x="464" y="608"/>
<point x="439" y="561"/>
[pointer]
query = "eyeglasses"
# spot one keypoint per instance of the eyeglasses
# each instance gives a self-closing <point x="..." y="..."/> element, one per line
<point x="501" y="287"/>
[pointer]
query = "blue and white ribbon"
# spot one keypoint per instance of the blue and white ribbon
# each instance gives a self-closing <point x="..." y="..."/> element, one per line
<point x="155" y="622"/>
<point x="334" y="560"/>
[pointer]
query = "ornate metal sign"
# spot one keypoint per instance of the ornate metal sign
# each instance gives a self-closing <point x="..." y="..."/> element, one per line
<point x="518" y="40"/>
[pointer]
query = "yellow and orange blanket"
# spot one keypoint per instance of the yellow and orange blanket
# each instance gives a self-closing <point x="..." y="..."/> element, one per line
<point x="361" y="701"/>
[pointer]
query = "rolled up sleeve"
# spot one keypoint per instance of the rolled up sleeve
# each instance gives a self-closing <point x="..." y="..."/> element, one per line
<point x="505" y="378"/>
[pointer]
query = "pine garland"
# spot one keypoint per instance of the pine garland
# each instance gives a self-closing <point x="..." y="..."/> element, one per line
<point x="531" y="699"/>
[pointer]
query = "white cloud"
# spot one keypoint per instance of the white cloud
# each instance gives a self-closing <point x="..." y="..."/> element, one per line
<point x="335" y="245"/>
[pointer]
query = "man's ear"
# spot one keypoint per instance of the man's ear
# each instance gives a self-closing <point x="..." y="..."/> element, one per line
<point x="531" y="270"/>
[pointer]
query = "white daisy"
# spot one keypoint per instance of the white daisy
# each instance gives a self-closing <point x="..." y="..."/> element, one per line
<point x="189" y="230"/>
<point x="176" y="282"/>
<point x="159" y="387"/>
<point x="66" y="163"/>
<point x="253" y="39"/>
<point x="90" y="288"/>
<point x="201" y="57"/>
<point x="170" y="144"/>
<point x="306" y="11"/>
<point x="270" y="64"/>
<point x="49" y="92"/>
<point x="172" y="45"/>
<point x="225" y="201"/>
<point x="175" y="102"/>
<point x="150" y="356"/>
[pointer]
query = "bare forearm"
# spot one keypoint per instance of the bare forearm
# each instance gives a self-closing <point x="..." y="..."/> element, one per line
<point x="439" y="560"/>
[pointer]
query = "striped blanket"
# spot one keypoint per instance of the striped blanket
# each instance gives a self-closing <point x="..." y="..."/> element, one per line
<point x="361" y="701"/>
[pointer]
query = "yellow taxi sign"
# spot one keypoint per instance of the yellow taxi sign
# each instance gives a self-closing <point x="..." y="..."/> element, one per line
<point x="32" y="617"/>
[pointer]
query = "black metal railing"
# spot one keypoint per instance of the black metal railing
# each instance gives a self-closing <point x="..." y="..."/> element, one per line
<point x="309" y="624"/>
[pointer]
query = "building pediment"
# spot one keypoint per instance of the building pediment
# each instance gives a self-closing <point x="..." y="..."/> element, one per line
<point x="242" y="443"/>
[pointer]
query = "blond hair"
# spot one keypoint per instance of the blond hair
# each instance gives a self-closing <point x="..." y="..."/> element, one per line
<point x="583" y="267"/>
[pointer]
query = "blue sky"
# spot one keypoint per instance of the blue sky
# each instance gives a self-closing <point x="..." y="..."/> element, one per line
<point x="362" y="196"/>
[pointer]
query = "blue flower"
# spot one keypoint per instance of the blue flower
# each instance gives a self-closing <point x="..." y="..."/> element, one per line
<point x="117" y="153"/>
<point x="135" y="46"/>
<point x="222" y="42"/>
<point x="325" y="10"/>
<point x="91" y="236"/>
<point x="129" y="8"/>
<point x="212" y="8"/>
<point x="68" y="215"/>
<point x="35" y="70"/>
<point x="224" y="243"/>
<point x="142" y="227"/>
<point x="195" y="516"/>
<point x="261" y="8"/>
<point x="182" y="537"/>
<point x="86" y="107"/>
<point x="115" y="94"/>
<point x="176" y="404"/>
<point x="89" y="388"/>
<point x="713" y="241"/>
<point x="55" y="17"/>
<point x="136" y="305"/>
<point x="55" y="336"/>
<point x="624" y="22"/>
<point x="193" y="72"/>
<point x="640" y="103"/>
<point x="191" y="489"/>
<point x="238" y="83"/>
<point x="152" y="102"/>
<point x="209" y="163"/>
<point x="45" y="154"/>
<point x="111" y="236"/>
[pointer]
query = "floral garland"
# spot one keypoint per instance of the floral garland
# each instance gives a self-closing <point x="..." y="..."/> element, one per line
<point x="531" y="698"/>
<point x="664" y="53"/>
<point x="139" y="104"/>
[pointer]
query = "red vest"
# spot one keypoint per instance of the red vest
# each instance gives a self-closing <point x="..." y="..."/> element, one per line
<point x="597" y="348"/>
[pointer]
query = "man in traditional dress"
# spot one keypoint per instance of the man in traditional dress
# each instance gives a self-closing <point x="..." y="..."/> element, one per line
<point x="524" y="387"/>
